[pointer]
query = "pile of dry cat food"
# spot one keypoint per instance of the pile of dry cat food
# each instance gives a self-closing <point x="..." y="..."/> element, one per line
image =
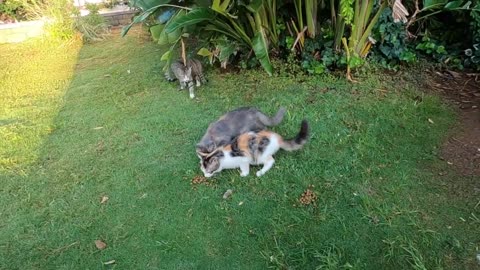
<point x="308" y="197"/>
<point x="200" y="180"/>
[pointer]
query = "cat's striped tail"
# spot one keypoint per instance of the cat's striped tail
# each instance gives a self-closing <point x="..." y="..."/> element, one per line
<point x="169" y="77"/>
<point x="297" y="142"/>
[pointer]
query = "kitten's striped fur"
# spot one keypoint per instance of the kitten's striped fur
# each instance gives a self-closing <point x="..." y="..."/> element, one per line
<point x="187" y="75"/>
<point x="252" y="148"/>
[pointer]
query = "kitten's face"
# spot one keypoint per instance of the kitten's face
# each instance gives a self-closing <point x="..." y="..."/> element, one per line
<point x="210" y="165"/>
<point x="187" y="77"/>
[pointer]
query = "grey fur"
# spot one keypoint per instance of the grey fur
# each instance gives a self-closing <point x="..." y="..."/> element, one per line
<point x="187" y="75"/>
<point x="297" y="142"/>
<point x="234" y="123"/>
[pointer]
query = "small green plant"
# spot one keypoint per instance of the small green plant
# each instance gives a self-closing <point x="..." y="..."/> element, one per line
<point x="92" y="26"/>
<point x="10" y="10"/>
<point x="318" y="56"/>
<point x="60" y="22"/>
<point x="92" y="8"/>
<point x="391" y="48"/>
<point x="432" y="47"/>
<point x="111" y="3"/>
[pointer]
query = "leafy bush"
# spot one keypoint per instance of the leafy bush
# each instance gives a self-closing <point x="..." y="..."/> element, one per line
<point x="473" y="54"/>
<point x="61" y="23"/>
<point x="92" y="26"/>
<point x="11" y="10"/>
<point x="391" y="48"/>
<point x="248" y="33"/>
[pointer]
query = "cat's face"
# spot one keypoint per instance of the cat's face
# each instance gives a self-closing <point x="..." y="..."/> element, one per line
<point x="187" y="76"/>
<point x="211" y="164"/>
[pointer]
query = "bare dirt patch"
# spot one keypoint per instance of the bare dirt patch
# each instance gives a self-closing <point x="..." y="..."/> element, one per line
<point x="462" y="149"/>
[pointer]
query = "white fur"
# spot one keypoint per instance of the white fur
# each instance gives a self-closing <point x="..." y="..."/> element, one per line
<point x="244" y="162"/>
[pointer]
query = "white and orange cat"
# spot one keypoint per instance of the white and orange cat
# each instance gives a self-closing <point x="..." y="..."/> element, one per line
<point x="251" y="148"/>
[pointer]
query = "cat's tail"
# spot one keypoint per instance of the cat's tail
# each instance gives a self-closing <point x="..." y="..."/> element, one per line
<point x="272" y="121"/>
<point x="297" y="142"/>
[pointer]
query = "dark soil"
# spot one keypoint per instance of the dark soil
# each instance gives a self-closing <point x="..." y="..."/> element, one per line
<point x="462" y="149"/>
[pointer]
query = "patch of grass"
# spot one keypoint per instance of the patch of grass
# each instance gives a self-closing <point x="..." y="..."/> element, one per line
<point x="116" y="128"/>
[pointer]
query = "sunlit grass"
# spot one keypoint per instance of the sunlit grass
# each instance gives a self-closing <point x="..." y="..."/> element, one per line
<point x="34" y="77"/>
<point x="117" y="129"/>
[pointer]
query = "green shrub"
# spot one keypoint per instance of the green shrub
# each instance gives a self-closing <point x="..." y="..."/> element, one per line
<point x="9" y="9"/>
<point x="391" y="48"/>
<point x="92" y="26"/>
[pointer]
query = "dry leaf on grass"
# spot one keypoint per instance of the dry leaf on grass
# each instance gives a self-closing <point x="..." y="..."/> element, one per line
<point x="104" y="199"/>
<point x="109" y="262"/>
<point x="430" y="121"/>
<point x="227" y="194"/>
<point x="100" y="244"/>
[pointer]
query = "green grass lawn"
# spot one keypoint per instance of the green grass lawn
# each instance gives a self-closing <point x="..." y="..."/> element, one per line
<point x="78" y="123"/>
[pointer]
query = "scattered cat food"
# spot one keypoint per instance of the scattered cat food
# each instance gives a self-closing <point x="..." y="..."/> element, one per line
<point x="100" y="244"/>
<point x="227" y="194"/>
<point x="200" y="180"/>
<point x="196" y="180"/>
<point x="308" y="197"/>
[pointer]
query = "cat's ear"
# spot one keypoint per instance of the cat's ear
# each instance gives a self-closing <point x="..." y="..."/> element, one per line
<point x="210" y="147"/>
<point x="213" y="164"/>
<point x="189" y="71"/>
<point x="202" y="151"/>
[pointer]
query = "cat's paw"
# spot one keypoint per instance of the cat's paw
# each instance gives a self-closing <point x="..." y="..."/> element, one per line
<point x="259" y="173"/>
<point x="243" y="174"/>
<point x="192" y="96"/>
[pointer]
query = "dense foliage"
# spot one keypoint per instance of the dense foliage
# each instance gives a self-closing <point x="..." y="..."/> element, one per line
<point x="317" y="35"/>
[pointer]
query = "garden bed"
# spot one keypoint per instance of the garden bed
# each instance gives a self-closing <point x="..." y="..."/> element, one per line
<point x="21" y="31"/>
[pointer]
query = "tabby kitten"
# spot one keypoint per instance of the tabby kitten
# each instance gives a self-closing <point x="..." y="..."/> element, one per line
<point x="252" y="148"/>
<point x="234" y="123"/>
<point x="186" y="74"/>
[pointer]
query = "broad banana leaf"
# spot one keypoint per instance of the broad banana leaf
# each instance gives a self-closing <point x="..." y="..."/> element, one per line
<point x="260" y="48"/>
<point x="156" y="31"/>
<point x="144" y="15"/>
<point x="166" y="56"/>
<point x="148" y="4"/>
<point x="454" y="4"/>
<point x="254" y="6"/>
<point x="220" y="7"/>
<point x="428" y="4"/>
<point x="171" y="38"/>
<point x="195" y="16"/>
<point x="139" y="18"/>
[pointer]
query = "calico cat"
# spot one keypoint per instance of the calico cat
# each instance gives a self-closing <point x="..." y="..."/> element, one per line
<point x="186" y="74"/>
<point x="234" y="123"/>
<point x="252" y="148"/>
